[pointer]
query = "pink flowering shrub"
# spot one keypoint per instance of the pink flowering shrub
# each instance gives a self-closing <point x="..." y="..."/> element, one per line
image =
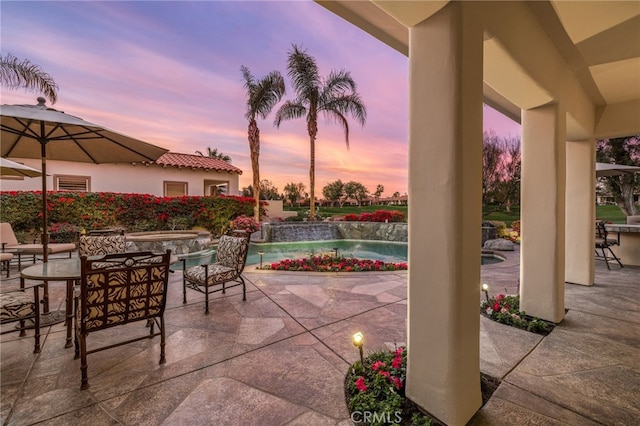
<point x="377" y="216"/>
<point x="246" y="223"/>
<point x="330" y="263"/>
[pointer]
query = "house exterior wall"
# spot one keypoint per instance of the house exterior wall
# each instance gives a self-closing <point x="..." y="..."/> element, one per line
<point x="125" y="178"/>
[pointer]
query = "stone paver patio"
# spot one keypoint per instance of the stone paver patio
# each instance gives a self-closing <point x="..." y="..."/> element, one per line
<point x="280" y="357"/>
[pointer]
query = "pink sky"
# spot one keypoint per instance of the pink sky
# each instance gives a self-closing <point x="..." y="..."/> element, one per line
<point x="168" y="73"/>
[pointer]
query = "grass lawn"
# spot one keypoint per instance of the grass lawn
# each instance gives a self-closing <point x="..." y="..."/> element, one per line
<point x="607" y="213"/>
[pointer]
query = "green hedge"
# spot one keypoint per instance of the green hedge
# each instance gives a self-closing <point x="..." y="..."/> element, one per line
<point x="133" y="212"/>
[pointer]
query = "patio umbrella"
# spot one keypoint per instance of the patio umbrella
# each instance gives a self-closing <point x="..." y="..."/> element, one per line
<point x="608" y="169"/>
<point x="36" y="131"/>
<point x="11" y="168"/>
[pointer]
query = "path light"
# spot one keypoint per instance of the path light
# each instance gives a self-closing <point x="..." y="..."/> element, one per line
<point x="485" y="288"/>
<point x="358" y="340"/>
<point x="335" y="249"/>
<point x="260" y="253"/>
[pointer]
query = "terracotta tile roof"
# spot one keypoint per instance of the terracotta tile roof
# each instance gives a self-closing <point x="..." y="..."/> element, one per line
<point x="192" y="161"/>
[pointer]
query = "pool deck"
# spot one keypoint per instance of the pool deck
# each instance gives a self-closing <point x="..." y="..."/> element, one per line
<point x="280" y="358"/>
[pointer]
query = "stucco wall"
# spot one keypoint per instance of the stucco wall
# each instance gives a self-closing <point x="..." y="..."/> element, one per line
<point x="122" y="177"/>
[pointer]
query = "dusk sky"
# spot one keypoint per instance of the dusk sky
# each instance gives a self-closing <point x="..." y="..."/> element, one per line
<point x="169" y="73"/>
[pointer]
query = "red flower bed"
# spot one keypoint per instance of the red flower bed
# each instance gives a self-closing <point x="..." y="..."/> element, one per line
<point x="329" y="263"/>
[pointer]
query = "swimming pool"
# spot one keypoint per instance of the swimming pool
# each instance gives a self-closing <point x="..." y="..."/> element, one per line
<point x="386" y="251"/>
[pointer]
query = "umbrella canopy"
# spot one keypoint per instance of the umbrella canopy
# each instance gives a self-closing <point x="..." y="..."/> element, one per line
<point x="607" y="169"/>
<point x="36" y="131"/>
<point x="11" y="168"/>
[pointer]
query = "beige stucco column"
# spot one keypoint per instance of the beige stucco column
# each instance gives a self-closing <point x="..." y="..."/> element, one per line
<point x="581" y="212"/>
<point x="542" y="258"/>
<point x="445" y="158"/>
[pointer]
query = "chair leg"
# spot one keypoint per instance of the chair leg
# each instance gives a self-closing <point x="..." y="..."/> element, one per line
<point x="162" y="341"/>
<point x="206" y="299"/>
<point x="244" y="289"/>
<point x="615" y="257"/>
<point x="83" y="362"/>
<point x="36" y="320"/>
<point x="184" y="281"/>
<point x="605" y="257"/>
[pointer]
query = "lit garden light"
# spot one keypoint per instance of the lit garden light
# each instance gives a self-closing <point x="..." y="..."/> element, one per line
<point x="485" y="288"/>
<point x="358" y="340"/>
<point x="260" y="253"/>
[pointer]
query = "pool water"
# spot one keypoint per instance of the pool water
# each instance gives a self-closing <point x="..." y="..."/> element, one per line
<point x="386" y="251"/>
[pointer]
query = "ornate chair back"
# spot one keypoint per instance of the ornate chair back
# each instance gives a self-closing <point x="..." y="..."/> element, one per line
<point x="91" y="245"/>
<point x="117" y="289"/>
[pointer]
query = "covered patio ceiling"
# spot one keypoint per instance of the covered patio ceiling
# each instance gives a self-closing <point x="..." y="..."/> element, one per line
<point x="585" y="54"/>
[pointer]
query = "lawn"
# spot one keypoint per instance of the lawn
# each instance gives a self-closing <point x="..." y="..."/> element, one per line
<point x="608" y="213"/>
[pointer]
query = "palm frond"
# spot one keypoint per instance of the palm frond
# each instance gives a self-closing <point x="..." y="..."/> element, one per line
<point x="268" y="93"/>
<point x="347" y="104"/>
<point x="15" y="73"/>
<point x="303" y="72"/>
<point x="338" y="83"/>
<point x="339" y="118"/>
<point x="288" y="111"/>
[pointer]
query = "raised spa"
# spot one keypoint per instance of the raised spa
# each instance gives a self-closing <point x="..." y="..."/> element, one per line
<point x="180" y="242"/>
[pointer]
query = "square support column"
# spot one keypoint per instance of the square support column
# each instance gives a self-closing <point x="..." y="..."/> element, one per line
<point x="542" y="258"/>
<point x="581" y="212"/>
<point x="445" y="174"/>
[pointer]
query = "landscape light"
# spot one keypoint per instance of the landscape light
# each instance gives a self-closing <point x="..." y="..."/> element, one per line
<point x="260" y="253"/>
<point x="485" y="288"/>
<point x="358" y="340"/>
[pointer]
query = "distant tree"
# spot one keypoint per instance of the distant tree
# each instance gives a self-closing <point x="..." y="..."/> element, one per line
<point x="378" y="193"/>
<point x="267" y="191"/>
<point x="15" y="73"/>
<point x="501" y="169"/>
<point x="624" y="151"/>
<point x="262" y="96"/>
<point x="334" y="192"/>
<point x="396" y="194"/>
<point x="356" y="191"/>
<point x="213" y="153"/>
<point x="293" y="192"/>
<point x="335" y="97"/>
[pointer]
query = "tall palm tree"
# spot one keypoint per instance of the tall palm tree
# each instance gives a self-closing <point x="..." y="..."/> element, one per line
<point x="15" y="73"/>
<point x="335" y="97"/>
<point x="213" y="153"/>
<point x="262" y="96"/>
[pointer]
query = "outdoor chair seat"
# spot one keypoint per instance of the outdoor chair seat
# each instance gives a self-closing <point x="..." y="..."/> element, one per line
<point x="231" y="257"/>
<point x="21" y="306"/>
<point x="10" y="242"/>
<point x="5" y="259"/>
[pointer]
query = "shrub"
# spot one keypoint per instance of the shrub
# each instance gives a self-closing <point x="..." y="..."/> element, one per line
<point x="330" y="263"/>
<point x="505" y="309"/>
<point x="133" y="212"/>
<point x="352" y="217"/>
<point x="245" y="223"/>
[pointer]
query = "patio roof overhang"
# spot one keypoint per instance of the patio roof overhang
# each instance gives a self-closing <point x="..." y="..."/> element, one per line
<point x="586" y="56"/>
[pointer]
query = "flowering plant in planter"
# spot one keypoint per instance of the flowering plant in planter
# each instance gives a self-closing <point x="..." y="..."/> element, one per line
<point x="246" y="223"/>
<point x="505" y="309"/>
<point x="374" y="390"/>
<point x="330" y="263"/>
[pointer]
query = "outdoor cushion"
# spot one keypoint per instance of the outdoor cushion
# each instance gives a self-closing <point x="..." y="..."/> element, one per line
<point x="16" y="305"/>
<point x="216" y="273"/>
<point x="90" y="245"/>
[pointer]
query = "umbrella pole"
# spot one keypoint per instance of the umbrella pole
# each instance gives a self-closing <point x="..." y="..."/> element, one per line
<point x="45" y="234"/>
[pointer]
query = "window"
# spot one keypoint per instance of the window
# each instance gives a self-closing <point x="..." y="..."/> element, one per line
<point x="175" y="189"/>
<point x="72" y="183"/>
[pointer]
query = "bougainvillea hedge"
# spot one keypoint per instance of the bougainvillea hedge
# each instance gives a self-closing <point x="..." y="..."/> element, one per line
<point x="133" y="212"/>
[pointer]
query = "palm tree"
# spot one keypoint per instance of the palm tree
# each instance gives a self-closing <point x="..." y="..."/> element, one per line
<point x="213" y="153"/>
<point x="334" y="97"/>
<point x="15" y="73"/>
<point x="262" y="96"/>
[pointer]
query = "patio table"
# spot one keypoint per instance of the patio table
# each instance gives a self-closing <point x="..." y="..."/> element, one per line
<point x="58" y="270"/>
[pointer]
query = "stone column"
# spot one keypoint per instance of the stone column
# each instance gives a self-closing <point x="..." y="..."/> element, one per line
<point x="581" y="212"/>
<point x="445" y="171"/>
<point x="542" y="212"/>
